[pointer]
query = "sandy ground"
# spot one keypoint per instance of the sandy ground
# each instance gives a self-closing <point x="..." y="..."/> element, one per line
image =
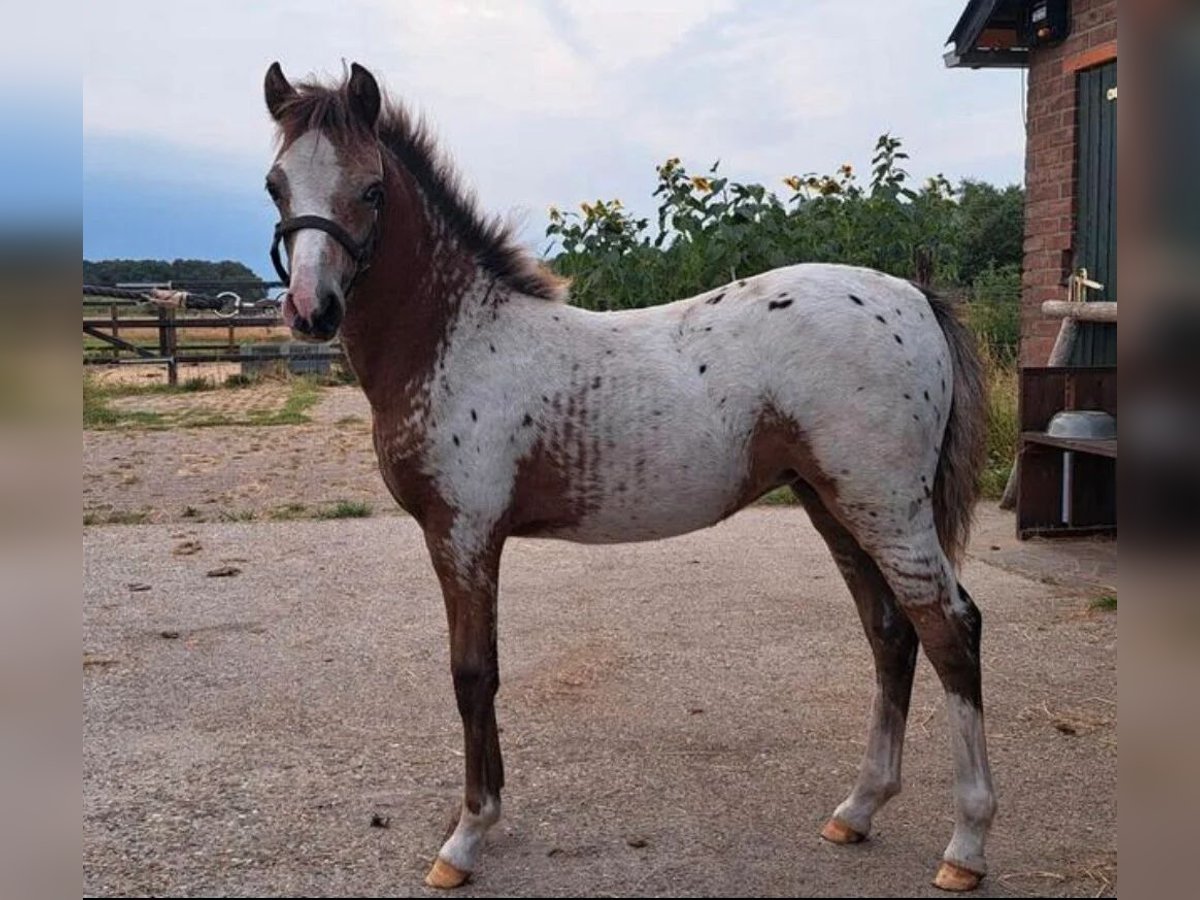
<point x="234" y="472"/>
<point x="678" y="717"/>
<point x="157" y="374"/>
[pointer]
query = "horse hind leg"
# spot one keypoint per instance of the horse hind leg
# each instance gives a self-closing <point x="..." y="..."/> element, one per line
<point x="949" y="627"/>
<point x="893" y="643"/>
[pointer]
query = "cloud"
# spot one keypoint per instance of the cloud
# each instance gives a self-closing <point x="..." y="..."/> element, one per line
<point x="620" y="32"/>
<point x="553" y="101"/>
<point x="494" y="57"/>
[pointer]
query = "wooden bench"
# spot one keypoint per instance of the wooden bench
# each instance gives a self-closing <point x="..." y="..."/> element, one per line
<point x="1092" y="503"/>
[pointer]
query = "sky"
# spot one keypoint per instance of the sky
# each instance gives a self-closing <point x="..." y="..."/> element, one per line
<point x="539" y="103"/>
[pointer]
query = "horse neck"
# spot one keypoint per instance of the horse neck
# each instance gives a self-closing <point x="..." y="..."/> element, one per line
<point x="402" y="309"/>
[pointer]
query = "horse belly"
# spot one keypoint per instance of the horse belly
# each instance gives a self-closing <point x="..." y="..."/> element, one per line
<point x="644" y="501"/>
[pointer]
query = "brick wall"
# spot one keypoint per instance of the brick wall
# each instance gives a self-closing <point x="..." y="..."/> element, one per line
<point x="1050" y="173"/>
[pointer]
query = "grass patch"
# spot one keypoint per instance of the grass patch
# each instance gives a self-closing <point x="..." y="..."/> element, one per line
<point x="305" y="393"/>
<point x="237" y="515"/>
<point x="781" y="496"/>
<point x="99" y="413"/>
<point x="346" y="509"/>
<point x="1003" y="430"/>
<point x="1104" y="603"/>
<point x="196" y="383"/>
<point x="116" y="517"/>
<point x="288" y="511"/>
<point x="96" y="411"/>
<point x="122" y="389"/>
<point x="339" y="374"/>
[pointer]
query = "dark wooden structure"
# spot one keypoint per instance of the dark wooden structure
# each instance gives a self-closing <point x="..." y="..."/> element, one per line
<point x="1069" y="48"/>
<point x="1091" y="503"/>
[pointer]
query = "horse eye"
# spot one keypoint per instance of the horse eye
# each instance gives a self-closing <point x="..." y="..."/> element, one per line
<point x="373" y="195"/>
<point x="273" y="191"/>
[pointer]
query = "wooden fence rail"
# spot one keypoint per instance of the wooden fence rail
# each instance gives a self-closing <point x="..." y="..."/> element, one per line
<point x="127" y="315"/>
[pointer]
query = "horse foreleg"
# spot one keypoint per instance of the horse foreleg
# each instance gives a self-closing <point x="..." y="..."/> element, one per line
<point x="894" y="645"/>
<point x="469" y="590"/>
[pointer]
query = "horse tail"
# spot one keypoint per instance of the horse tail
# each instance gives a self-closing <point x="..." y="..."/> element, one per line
<point x="964" y="448"/>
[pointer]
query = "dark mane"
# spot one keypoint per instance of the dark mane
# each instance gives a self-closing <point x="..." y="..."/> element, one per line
<point x="409" y="140"/>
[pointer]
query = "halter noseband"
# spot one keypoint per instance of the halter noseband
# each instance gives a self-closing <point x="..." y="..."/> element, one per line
<point x="360" y="253"/>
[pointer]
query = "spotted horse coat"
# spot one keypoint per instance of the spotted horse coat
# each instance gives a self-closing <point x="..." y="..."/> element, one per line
<point x="501" y="411"/>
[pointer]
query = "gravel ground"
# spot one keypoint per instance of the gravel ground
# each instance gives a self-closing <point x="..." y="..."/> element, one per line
<point x="234" y="472"/>
<point x="678" y="717"/>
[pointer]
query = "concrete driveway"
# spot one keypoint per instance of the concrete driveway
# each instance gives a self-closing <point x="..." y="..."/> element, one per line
<point x="678" y="718"/>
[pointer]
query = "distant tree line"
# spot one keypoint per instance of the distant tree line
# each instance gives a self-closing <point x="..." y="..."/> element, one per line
<point x="116" y="271"/>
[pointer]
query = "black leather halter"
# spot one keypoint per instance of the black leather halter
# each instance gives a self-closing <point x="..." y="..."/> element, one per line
<point x="360" y="253"/>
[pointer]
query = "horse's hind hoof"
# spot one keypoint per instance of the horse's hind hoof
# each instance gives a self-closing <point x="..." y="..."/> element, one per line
<point x="445" y="876"/>
<point x="951" y="877"/>
<point x="838" y="832"/>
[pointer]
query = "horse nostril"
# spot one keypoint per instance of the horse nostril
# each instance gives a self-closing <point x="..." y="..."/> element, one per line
<point x="328" y="317"/>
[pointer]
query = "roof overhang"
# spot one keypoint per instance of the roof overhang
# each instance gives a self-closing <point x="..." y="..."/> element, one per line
<point x="988" y="35"/>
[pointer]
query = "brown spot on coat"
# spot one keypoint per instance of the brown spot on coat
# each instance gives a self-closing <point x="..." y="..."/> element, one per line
<point x="778" y="453"/>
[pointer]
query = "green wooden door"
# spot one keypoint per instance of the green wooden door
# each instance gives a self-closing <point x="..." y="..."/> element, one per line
<point x="1096" y="205"/>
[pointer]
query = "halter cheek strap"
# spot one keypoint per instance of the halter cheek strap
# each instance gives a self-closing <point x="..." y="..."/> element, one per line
<point x="360" y="253"/>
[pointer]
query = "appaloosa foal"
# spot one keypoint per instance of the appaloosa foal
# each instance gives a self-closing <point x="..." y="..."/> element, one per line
<point x="499" y="410"/>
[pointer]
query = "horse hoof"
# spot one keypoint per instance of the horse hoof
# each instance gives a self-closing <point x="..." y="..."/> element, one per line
<point x="445" y="876"/>
<point x="838" y="832"/>
<point x="951" y="877"/>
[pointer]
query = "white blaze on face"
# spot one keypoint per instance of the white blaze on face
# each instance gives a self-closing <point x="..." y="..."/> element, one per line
<point x="315" y="179"/>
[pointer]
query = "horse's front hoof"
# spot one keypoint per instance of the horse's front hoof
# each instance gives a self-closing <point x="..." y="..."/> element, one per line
<point x="951" y="877"/>
<point x="838" y="832"/>
<point x="445" y="876"/>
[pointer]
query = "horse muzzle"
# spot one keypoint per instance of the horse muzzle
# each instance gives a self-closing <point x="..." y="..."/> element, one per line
<point x="319" y="326"/>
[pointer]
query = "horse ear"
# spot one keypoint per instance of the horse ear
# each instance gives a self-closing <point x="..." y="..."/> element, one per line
<point x="277" y="90"/>
<point x="365" y="99"/>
